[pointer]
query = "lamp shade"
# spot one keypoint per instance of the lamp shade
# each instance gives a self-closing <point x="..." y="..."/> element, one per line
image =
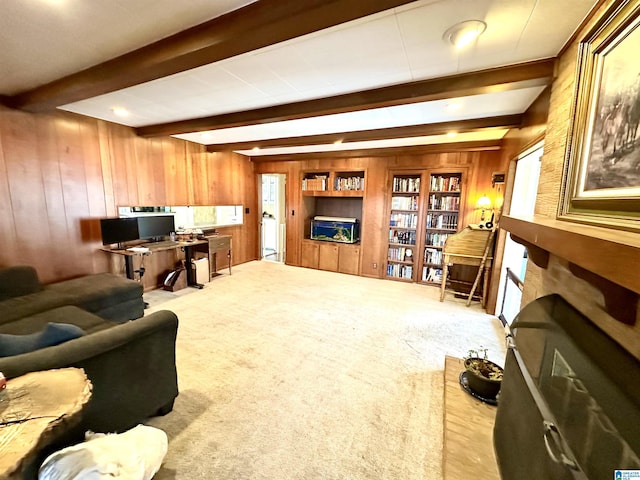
<point x="484" y="203"/>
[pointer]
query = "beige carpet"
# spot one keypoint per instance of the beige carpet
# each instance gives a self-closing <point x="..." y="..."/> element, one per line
<point x="292" y="373"/>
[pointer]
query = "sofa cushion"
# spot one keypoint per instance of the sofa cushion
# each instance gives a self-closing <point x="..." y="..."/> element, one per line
<point x="27" y="305"/>
<point x="17" y="281"/>
<point x="99" y="291"/>
<point x="53" y="334"/>
<point x="88" y="322"/>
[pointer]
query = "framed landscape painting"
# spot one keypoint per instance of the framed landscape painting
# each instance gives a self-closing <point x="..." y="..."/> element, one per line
<point x="602" y="163"/>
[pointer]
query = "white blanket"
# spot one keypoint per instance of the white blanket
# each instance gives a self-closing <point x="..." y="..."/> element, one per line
<point x="133" y="455"/>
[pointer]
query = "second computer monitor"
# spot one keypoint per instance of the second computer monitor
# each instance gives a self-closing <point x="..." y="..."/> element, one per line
<point x="156" y="226"/>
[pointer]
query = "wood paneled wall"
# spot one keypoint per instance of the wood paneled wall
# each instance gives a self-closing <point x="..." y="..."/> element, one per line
<point x="59" y="173"/>
<point x="557" y="278"/>
<point x="477" y="166"/>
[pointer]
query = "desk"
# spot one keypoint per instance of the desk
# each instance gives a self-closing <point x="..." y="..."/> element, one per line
<point x="35" y="410"/>
<point x="471" y="246"/>
<point x="187" y="247"/>
<point x="218" y="243"/>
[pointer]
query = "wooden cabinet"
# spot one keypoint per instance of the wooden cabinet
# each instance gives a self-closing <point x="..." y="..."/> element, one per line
<point x="328" y="257"/>
<point x="218" y="244"/>
<point x="310" y="253"/>
<point x="349" y="259"/>
<point x="331" y="256"/>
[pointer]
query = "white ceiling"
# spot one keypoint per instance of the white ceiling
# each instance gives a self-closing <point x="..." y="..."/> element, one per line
<point x="43" y="40"/>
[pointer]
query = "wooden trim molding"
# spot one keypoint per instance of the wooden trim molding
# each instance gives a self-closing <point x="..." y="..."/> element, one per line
<point x="257" y="25"/>
<point x="607" y="259"/>
<point x="462" y="126"/>
<point x="513" y="77"/>
<point x="478" y="146"/>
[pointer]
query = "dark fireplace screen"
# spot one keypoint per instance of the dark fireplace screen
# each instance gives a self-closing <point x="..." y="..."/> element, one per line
<point x="569" y="407"/>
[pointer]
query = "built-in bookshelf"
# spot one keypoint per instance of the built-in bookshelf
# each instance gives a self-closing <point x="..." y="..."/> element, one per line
<point x="315" y="182"/>
<point x="441" y="221"/>
<point x="404" y="219"/>
<point x="333" y="183"/>
<point x="348" y="181"/>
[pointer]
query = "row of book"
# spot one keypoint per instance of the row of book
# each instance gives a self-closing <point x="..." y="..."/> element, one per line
<point x="318" y="183"/>
<point x="442" y="220"/>
<point x="404" y="220"/>
<point x="444" y="202"/>
<point x="444" y="184"/>
<point x="404" y="203"/>
<point x="397" y="270"/>
<point x="404" y="184"/>
<point x="431" y="255"/>
<point x="431" y="274"/>
<point x="400" y="254"/>
<point x="348" y="183"/>
<point x="403" y="237"/>
<point x="436" y="239"/>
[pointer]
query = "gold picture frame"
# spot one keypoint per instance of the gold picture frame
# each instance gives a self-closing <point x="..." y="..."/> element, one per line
<point x="601" y="183"/>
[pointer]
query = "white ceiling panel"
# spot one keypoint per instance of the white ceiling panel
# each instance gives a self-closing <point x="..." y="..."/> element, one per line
<point x="391" y="47"/>
<point x="511" y="102"/>
<point x="43" y="40"/>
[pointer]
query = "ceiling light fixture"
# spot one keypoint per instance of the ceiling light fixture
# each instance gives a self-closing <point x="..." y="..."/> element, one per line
<point x="120" y="111"/>
<point x="463" y="33"/>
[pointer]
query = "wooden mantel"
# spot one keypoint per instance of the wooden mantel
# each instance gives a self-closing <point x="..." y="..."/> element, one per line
<point x="607" y="258"/>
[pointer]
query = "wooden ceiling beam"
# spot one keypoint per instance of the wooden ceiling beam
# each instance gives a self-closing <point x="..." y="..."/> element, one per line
<point x="530" y="74"/>
<point x="257" y="25"/>
<point x="476" y="146"/>
<point x="460" y="126"/>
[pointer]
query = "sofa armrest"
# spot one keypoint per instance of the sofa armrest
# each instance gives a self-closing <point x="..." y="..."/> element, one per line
<point x="131" y="367"/>
<point x="87" y="346"/>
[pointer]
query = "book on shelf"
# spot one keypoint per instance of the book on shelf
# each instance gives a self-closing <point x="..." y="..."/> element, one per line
<point x="319" y="182"/>
<point x="447" y="221"/>
<point x="444" y="202"/>
<point x="442" y="183"/>
<point x="431" y="274"/>
<point x="436" y="239"/>
<point x="403" y="237"/>
<point x="400" y="254"/>
<point x="406" y="184"/>
<point x="348" y="183"/>
<point x="404" y="203"/>
<point x="399" y="271"/>
<point x="433" y="256"/>
<point x="404" y="220"/>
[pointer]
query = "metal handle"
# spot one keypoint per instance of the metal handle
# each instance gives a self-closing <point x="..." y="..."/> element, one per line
<point x="552" y="435"/>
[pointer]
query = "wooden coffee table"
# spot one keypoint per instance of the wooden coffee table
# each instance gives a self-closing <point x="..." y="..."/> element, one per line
<point x="35" y="409"/>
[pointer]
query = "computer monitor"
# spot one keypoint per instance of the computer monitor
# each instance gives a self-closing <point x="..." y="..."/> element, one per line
<point x="155" y="226"/>
<point x="118" y="230"/>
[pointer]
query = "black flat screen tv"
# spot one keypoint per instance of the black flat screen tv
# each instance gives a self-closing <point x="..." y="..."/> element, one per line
<point x="118" y="230"/>
<point x="155" y="226"/>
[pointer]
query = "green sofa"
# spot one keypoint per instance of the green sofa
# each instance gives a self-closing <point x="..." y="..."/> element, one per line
<point x="129" y="358"/>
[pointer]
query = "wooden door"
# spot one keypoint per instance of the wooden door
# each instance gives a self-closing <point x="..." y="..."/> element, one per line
<point x="309" y="254"/>
<point x="349" y="259"/>
<point x="328" y="258"/>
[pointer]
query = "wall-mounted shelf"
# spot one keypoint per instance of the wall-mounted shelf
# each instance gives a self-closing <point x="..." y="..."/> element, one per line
<point x="333" y="183"/>
<point x="611" y="257"/>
